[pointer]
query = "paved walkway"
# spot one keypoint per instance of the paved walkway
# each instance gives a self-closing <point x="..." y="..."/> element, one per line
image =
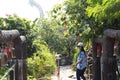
<point x="65" y="74"/>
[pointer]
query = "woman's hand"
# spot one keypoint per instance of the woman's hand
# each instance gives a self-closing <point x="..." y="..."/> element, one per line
<point x="73" y="65"/>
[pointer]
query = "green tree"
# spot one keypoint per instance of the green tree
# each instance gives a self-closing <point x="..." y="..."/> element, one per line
<point x="88" y="17"/>
<point x="72" y="15"/>
<point x="54" y="35"/>
<point x="105" y="12"/>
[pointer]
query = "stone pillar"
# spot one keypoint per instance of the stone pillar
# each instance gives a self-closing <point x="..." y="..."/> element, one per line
<point x="11" y="63"/>
<point x="20" y="54"/>
<point x="96" y="62"/>
<point x="108" y="70"/>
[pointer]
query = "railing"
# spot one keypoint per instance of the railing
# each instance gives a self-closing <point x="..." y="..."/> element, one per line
<point x="12" y="68"/>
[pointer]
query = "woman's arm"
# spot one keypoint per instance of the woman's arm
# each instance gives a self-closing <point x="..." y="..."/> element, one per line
<point x="78" y="62"/>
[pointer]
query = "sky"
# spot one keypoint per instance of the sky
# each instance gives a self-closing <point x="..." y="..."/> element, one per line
<point x="24" y="9"/>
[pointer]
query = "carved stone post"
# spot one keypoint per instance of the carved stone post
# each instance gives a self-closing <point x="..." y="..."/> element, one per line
<point x="20" y="54"/>
<point x="96" y="62"/>
<point x="94" y="47"/>
<point x="24" y="56"/>
<point x="5" y="37"/>
<point x="108" y="61"/>
<point x="108" y="69"/>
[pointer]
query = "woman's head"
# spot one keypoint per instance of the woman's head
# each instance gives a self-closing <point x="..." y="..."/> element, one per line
<point x="80" y="45"/>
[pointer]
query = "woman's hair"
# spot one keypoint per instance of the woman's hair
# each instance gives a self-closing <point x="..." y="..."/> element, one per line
<point x="82" y="49"/>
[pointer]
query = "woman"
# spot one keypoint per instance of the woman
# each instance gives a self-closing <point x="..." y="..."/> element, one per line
<point x="81" y="62"/>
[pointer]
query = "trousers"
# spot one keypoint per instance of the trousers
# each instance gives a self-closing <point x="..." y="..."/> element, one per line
<point x="80" y="74"/>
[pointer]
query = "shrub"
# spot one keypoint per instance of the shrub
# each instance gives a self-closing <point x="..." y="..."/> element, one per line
<point x="41" y="65"/>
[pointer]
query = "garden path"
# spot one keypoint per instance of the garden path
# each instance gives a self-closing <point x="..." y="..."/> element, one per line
<point x="65" y="74"/>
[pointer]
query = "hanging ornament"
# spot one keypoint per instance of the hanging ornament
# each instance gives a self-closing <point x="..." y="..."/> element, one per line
<point x="99" y="49"/>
